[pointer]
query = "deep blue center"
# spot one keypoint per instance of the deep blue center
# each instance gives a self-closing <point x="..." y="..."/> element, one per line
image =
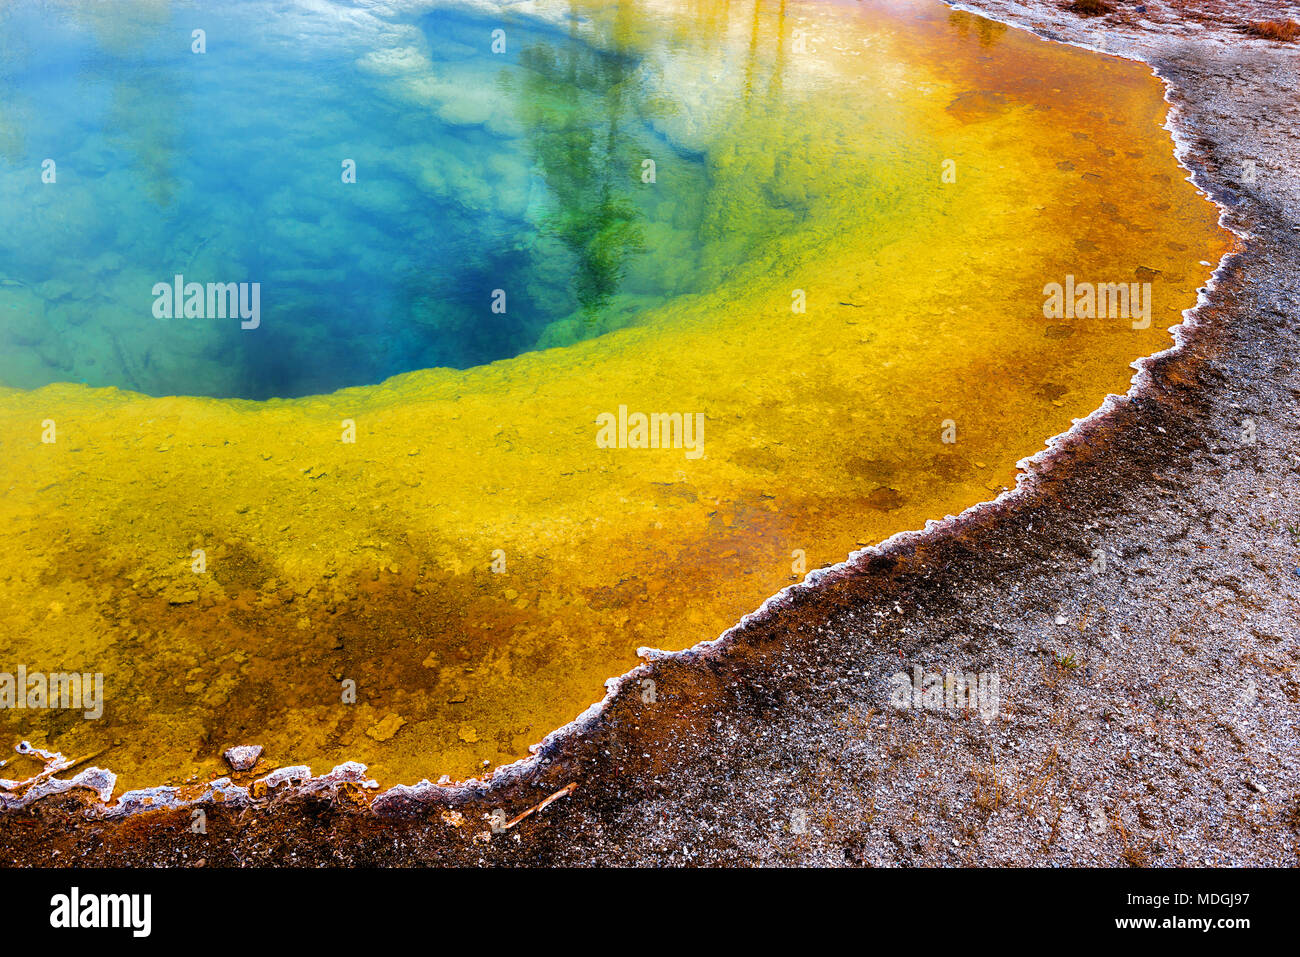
<point x="498" y="203"/>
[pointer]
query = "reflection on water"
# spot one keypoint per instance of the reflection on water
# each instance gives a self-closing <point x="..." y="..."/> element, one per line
<point x="574" y="102"/>
<point x="988" y="31"/>
<point x="838" y="267"/>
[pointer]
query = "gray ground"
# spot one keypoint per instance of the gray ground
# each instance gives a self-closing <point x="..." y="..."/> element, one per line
<point x="1148" y="711"/>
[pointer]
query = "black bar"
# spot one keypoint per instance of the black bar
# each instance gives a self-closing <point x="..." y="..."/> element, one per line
<point x="448" y="906"/>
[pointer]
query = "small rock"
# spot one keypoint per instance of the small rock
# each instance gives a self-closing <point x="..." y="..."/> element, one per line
<point x="242" y="757"/>
<point x="1060" y="620"/>
<point x="387" y="728"/>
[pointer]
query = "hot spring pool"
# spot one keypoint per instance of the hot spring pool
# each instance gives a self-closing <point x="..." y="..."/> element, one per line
<point x="391" y="523"/>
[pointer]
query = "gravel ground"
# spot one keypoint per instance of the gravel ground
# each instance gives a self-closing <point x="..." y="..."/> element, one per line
<point x="1137" y="601"/>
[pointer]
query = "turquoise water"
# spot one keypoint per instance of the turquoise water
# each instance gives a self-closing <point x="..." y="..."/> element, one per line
<point x="475" y="170"/>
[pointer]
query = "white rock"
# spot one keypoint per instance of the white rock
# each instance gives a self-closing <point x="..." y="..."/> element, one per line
<point x="242" y="757"/>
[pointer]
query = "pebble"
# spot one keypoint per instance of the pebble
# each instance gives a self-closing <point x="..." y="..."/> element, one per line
<point x="386" y="728"/>
<point x="242" y="757"/>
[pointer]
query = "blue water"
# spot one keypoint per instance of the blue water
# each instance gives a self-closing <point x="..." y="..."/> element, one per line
<point x="476" y="171"/>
